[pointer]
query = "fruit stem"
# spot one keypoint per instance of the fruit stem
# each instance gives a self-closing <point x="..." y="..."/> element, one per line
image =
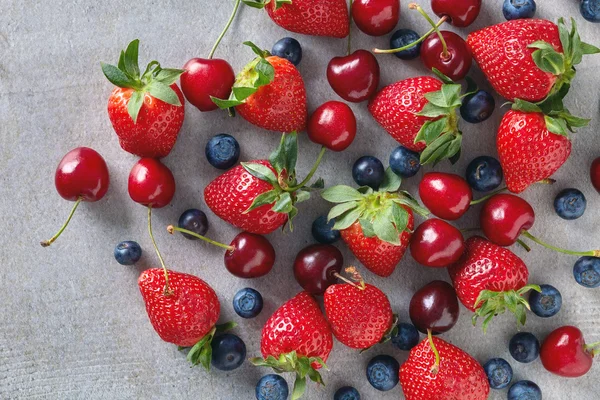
<point x="235" y="9"/>
<point x="593" y="349"/>
<point x="355" y="277"/>
<point x="350" y="28"/>
<point x="47" y="243"/>
<point x="167" y="291"/>
<point x="310" y="174"/>
<point x="486" y="197"/>
<point x="416" y="42"/>
<point x="593" y="253"/>
<point x="524" y="245"/>
<point x="445" y="55"/>
<point x="436" y="366"/>
<point x="172" y="229"/>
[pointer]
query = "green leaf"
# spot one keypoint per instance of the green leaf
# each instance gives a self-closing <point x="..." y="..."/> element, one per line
<point x="227" y="326"/>
<point x="301" y="195"/>
<point x="367" y="227"/>
<point x="257" y="50"/>
<point x="254" y="3"/>
<point x="299" y="388"/>
<point x="448" y="96"/>
<point x="433" y="153"/>
<point x="163" y="92"/>
<point x="432" y="111"/>
<point x="318" y="184"/>
<point x="340" y="209"/>
<point x="121" y="64"/>
<point x="525" y="106"/>
<point x="431" y="130"/>
<point x="291" y="215"/>
<point x="573" y="121"/>
<point x="131" y="59"/>
<point x="565" y="38"/>
<point x="266" y="73"/>
<point x="284" y="204"/>
<point x="454" y="148"/>
<point x="151" y="68"/>
<point x="556" y="125"/>
<point x="365" y="189"/>
<point x="290" y="150"/>
<point x="117" y="77"/>
<point x="385" y="229"/>
<point x="341" y="194"/>
<point x="169" y="76"/>
<point x="391" y="182"/>
<point x="550" y="61"/>
<point x="262" y="172"/>
<point x="442" y="77"/>
<point x="263" y="199"/>
<point x="400" y="217"/>
<point x="280" y="3"/>
<point x="456" y="157"/>
<point x="201" y="352"/>
<point x="587" y="48"/>
<point x="542" y="45"/>
<point x="346" y="220"/>
<point x="224" y="104"/>
<point x="277" y="157"/>
<point x="136" y="101"/>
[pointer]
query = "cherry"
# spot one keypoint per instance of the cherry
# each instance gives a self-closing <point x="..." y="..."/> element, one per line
<point x="354" y="77"/>
<point x="460" y="13"/>
<point x="81" y="175"/>
<point x="565" y="353"/>
<point x="332" y="125"/>
<point x="151" y="183"/>
<point x="436" y="243"/>
<point x="434" y="308"/>
<point x="316" y="267"/>
<point x="595" y="174"/>
<point x="447" y="196"/>
<point x="503" y="218"/>
<point x="447" y="52"/>
<point x="376" y="17"/>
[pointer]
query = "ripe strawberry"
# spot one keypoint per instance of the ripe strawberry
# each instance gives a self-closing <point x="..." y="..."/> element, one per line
<point x="488" y="279"/>
<point x="296" y="338"/>
<point x="146" y="110"/>
<point x="453" y="375"/>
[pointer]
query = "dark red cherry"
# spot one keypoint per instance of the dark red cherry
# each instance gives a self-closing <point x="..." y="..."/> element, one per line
<point x="595" y="174"/>
<point x="82" y="173"/>
<point x="253" y="256"/>
<point x="456" y="63"/>
<point x="316" y="266"/>
<point x="461" y="13"/>
<point x="204" y="78"/>
<point x="376" y="17"/>
<point x="355" y="77"/>
<point x="447" y="196"/>
<point x="332" y="125"/>
<point x="151" y="183"/>
<point x="436" y="243"/>
<point x="503" y="218"/>
<point x="434" y="307"/>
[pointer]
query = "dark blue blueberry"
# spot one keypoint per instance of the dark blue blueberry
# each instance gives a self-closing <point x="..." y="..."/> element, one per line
<point x="222" y="151"/>
<point x="547" y="303"/>
<point x="346" y="393"/>
<point x="499" y="373"/>
<point x="405" y="162"/>
<point x="228" y="352"/>
<point x="484" y="174"/>
<point x="477" y="107"/>
<point x="524" y="390"/>
<point x="272" y="387"/>
<point x="382" y="372"/>
<point x="193" y="220"/>
<point x="524" y="347"/>
<point x="587" y="271"/>
<point x="288" y="48"/>
<point x="570" y="204"/>
<point x="128" y="252"/>
<point x="247" y="303"/>
<point x="322" y="230"/>
<point x="516" y="9"/>
<point x="407" y="337"/>
<point x="404" y="37"/>
<point x="368" y="171"/>
<point x="590" y="10"/>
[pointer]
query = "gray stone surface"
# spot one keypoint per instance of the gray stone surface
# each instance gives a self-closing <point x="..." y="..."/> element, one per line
<point x="73" y="323"/>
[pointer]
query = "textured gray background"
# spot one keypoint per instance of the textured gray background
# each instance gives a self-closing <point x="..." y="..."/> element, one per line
<point x="73" y="323"/>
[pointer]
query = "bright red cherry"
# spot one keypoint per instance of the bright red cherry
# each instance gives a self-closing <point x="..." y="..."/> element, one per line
<point x="354" y="77"/>
<point x="151" y="183"/>
<point x="565" y="353"/>
<point x="316" y="267"/>
<point x="460" y="13"/>
<point x="376" y="17"/>
<point x="595" y="174"/>
<point x="447" y="196"/>
<point x="504" y="217"/>
<point x="252" y="256"/>
<point x="204" y="78"/>
<point x="434" y="307"/>
<point x="436" y="243"/>
<point x="332" y="125"/>
<point x="453" y="60"/>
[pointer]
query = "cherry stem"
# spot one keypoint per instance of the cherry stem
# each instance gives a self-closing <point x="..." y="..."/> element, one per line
<point x="350" y="28"/>
<point x="416" y="42"/>
<point x="235" y="9"/>
<point x="167" y="291"/>
<point x="524" y="245"/>
<point x="445" y="54"/>
<point x="172" y="229"/>
<point x="311" y="173"/>
<point x="47" y="243"/>
<point x="593" y="349"/>
<point x="487" y="197"/>
<point x="355" y="277"/>
<point x="593" y="253"/>
<point x="436" y="366"/>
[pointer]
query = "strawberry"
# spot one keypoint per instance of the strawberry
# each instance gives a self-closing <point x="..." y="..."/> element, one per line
<point x="488" y="279"/>
<point x="436" y="370"/>
<point x="269" y="93"/>
<point x="375" y="225"/>
<point x="146" y="110"/>
<point x="297" y="338"/>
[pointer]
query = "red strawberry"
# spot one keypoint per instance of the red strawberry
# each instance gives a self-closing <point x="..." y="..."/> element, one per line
<point x="454" y="375"/>
<point x="147" y="110"/>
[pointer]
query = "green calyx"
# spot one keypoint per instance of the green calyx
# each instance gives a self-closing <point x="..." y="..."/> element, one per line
<point x="156" y="81"/>
<point x="380" y="213"/>
<point x="490" y="303"/>
<point x="292" y="362"/>
<point x="263" y="3"/>
<point x="259" y="72"/>
<point x="201" y="352"/>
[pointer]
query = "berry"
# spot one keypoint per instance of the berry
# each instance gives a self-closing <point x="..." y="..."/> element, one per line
<point x="524" y="390"/>
<point x="332" y="125"/>
<point x="382" y="372"/>
<point x="587" y="272"/>
<point x="272" y="387"/>
<point x="205" y="78"/>
<point x="524" y="347"/>
<point x="517" y="9"/>
<point x="368" y="171"/>
<point x="252" y="256"/>
<point x="247" y="303"/>
<point x="590" y="10"/>
<point x="477" y="107"/>
<point x="222" y="151"/>
<point x="484" y="174"/>
<point x="434" y="307"/>
<point x="193" y="220"/>
<point x="460" y="13"/>
<point x="570" y="204"/>
<point x="310" y="17"/>
<point x="436" y="243"/>
<point x="228" y="352"/>
<point x="376" y="18"/>
<point x="323" y="231"/>
<point x="595" y="174"/>
<point x="151" y="183"/>
<point x="499" y="373"/>
<point x="346" y="393"/>
<point x="405" y="162"/>
<point x="565" y="353"/>
<point x="403" y="37"/>
<point x="455" y="63"/>
<point x="447" y="196"/>
<point x="354" y="77"/>
<point x="128" y="252"/>
<point x="288" y="48"/>
<point x="504" y="217"/>
<point x="316" y="266"/>
<point x="407" y="337"/>
<point x="547" y="303"/>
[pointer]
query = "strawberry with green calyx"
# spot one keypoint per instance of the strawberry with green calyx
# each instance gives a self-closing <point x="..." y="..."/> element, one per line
<point x="146" y="109"/>
<point x="375" y="225"/>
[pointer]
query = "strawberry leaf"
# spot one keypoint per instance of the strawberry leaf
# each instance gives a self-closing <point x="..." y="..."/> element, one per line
<point x="431" y="130"/>
<point x="400" y="217"/>
<point x="299" y="388"/>
<point x="163" y="92"/>
<point x="263" y="199"/>
<point x="340" y="209"/>
<point x="525" y="106"/>
<point x="301" y="195"/>
<point x="131" y="59"/>
<point x="347" y="219"/>
<point x="341" y="194"/>
<point x="318" y="184"/>
<point x="448" y="96"/>
<point x="441" y="76"/>
<point x="385" y="229"/>
<point x="549" y="61"/>
<point x="587" y="49"/>
<point x="262" y="172"/>
<point x="367" y="227"/>
<point x="432" y="111"/>
<point x="117" y="77"/>
<point x="260" y="4"/>
<point x="391" y="182"/>
<point x="136" y="101"/>
<point x="490" y="304"/>
<point x="437" y="149"/>
<point x="280" y="3"/>
<point x="168" y="76"/>
<point x="409" y="201"/>
<point x="284" y="203"/>
<point x="257" y="50"/>
<point x="284" y="157"/>
<point x="201" y="352"/>
<point x="556" y="125"/>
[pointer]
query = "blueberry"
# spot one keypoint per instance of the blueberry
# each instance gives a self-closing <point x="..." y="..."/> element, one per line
<point x="322" y="230"/>
<point x="477" y="107"/>
<point x="128" y="252"/>
<point x="524" y="347"/>
<point x="590" y="10"/>
<point x="403" y="37"/>
<point x="346" y="393"/>
<point x="272" y="387"/>
<point x="193" y="220"/>
<point x="499" y="373"/>
<point x="382" y="372"/>
<point x="247" y="303"/>
<point x="570" y="204"/>
<point x="547" y="303"/>
<point x="407" y="337"/>
<point x="516" y="9"/>
<point x="222" y="151"/>
<point x="524" y="390"/>
<point x="484" y="173"/>
<point x="368" y="171"/>
<point x="405" y="162"/>
<point x="228" y="352"/>
<point x="288" y="48"/>
<point x="587" y="271"/>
